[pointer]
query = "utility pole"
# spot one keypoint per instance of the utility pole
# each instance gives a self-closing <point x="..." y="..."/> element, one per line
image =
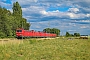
<point x="22" y="28"/>
<point x="22" y="24"/>
<point x="49" y="27"/>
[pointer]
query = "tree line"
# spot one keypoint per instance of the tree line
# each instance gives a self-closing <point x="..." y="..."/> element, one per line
<point x="10" y="21"/>
<point x="52" y="30"/>
<point x="57" y="31"/>
<point x="72" y="35"/>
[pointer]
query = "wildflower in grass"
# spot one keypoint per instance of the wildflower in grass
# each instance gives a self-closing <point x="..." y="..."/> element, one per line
<point x="21" y="50"/>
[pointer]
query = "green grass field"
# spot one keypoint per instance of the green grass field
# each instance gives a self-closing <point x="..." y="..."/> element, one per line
<point x="45" y="49"/>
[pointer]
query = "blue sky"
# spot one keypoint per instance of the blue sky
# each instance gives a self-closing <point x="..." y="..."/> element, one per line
<point x="67" y="15"/>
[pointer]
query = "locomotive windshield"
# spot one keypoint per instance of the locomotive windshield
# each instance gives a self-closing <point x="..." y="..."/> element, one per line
<point x="19" y="30"/>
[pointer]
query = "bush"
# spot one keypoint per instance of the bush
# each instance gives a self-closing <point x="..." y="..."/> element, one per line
<point x="2" y="35"/>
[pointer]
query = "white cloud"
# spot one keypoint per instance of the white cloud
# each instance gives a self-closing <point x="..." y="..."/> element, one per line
<point x="74" y="10"/>
<point x="84" y="27"/>
<point x="65" y="14"/>
<point x="58" y="4"/>
<point x="43" y="12"/>
<point x="72" y="15"/>
<point x="33" y="8"/>
<point x="72" y="24"/>
<point x="25" y="2"/>
<point x="88" y="15"/>
<point x="56" y="13"/>
<point x="72" y="30"/>
<point x="77" y="16"/>
<point x="85" y="20"/>
<point x="88" y="21"/>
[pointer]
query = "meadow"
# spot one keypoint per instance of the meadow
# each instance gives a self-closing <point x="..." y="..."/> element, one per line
<point x="45" y="49"/>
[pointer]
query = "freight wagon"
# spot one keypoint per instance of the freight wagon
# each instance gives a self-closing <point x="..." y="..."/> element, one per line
<point x="31" y="33"/>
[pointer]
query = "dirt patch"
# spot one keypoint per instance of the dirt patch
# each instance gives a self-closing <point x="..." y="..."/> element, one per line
<point x="45" y="38"/>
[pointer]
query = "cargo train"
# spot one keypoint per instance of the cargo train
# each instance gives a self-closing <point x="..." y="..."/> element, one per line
<point x="31" y="33"/>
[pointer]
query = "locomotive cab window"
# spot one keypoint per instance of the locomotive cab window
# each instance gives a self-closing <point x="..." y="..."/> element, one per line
<point x="19" y="30"/>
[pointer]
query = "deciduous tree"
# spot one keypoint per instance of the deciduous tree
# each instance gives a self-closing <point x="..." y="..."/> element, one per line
<point x="53" y="30"/>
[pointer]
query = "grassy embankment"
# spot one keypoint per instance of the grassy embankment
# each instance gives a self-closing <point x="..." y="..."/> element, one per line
<point x="45" y="49"/>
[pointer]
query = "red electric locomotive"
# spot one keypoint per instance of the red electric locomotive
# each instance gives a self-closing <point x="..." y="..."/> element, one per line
<point x="31" y="33"/>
